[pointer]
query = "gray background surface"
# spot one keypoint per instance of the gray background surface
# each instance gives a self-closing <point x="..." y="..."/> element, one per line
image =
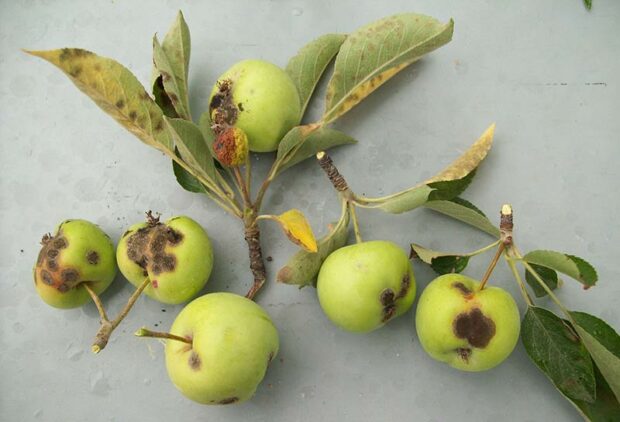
<point x="547" y="72"/>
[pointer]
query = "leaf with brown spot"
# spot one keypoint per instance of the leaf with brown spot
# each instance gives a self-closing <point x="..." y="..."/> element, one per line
<point x="297" y="229"/>
<point x="171" y="61"/>
<point x="446" y="185"/>
<point x="376" y="52"/>
<point x="302" y="268"/>
<point x="192" y="147"/>
<point x="307" y="66"/>
<point x="109" y="83"/>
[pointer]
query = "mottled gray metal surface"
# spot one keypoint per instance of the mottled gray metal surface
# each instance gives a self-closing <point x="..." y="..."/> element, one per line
<point x="547" y="72"/>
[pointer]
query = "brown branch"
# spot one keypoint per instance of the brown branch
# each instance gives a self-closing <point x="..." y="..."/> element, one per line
<point x="257" y="265"/>
<point x="333" y="174"/>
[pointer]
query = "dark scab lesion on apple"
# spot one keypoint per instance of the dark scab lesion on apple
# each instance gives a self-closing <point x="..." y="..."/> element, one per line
<point x="229" y="400"/>
<point x="194" y="361"/>
<point x="147" y="248"/>
<point x="462" y="288"/>
<point x="475" y="327"/>
<point x="92" y="257"/>
<point x="464" y="353"/>
<point x="388" y="298"/>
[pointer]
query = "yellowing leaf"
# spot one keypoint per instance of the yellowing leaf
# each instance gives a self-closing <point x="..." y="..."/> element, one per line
<point x="469" y="161"/>
<point x="376" y="52"/>
<point x="297" y="229"/>
<point x="116" y="91"/>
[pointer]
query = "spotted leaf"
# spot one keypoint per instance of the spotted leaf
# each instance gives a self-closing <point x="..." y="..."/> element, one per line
<point x="376" y="52"/>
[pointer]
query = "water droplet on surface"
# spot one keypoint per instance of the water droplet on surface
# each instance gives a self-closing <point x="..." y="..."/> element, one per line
<point x="74" y="353"/>
<point x="37" y="413"/>
<point x="297" y="12"/>
<point x="147" y="381"/>
<point x="99" y="384"/>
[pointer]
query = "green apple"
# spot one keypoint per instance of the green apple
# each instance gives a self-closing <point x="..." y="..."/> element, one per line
<point x="363" y="286"/>
<point x="467" y="328"/>
<point x="79" y="252"/>
<point x="259" y="98"/>
<point x="176" y="256"/>
<point x="232" y="342"/>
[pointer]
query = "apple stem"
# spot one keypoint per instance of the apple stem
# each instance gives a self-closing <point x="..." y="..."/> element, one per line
<point x="105" y="330"/>
<point x="144" y="332"/>
<point x="487" y="274"/>
<point x="102" y="314"/>
<point x="356" y="227"/>
<point x="524" y="292"/>
<point x="242" y="185"/>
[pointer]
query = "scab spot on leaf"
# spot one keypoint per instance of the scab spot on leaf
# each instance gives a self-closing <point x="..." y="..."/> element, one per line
<point x="120" y="103"/>
<point x="475" y="327"/>
<point x="133" y="115"/>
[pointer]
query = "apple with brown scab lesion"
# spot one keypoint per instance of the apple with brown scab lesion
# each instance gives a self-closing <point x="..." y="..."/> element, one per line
<point x="176" y="256"/>
<point x="78" y="256"/>
<point x="467" y="327"/>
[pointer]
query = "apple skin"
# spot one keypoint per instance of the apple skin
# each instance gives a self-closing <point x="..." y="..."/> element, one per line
<point x="270" y="104"/>
<point x="78" y="252"/>
<point x="233" y="341"/>
<point x="355" y="281"/>
<point x="179" y="281"/>
<point x="466" y="328"/>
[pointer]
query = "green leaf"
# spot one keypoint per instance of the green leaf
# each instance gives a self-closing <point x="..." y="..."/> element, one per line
<point x="446" y="185"/>
<point x="603" y="343"/>
<point x="306" y="68"/>
<point x="570" y="265"/>
<point x="192" y="148"/>
<point x="549" y="276"/>
<point x="588" y="4"/>
<point x="303" y="267"/>
<point x="116" y="91"/>
<point x="186" y="180"/>
<point x="606" y="407"/>
<point x="559" y="353"/>
<point x="376" y="52"/>
<point x="303" y="142"/>
<point x="462" y="210"/>
<point x="441" y="262"/>
<point x="171" y="60"/>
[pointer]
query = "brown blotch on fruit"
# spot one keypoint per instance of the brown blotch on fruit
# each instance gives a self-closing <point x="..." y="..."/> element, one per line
<point x="147" y="247"/>
<point x="223" y="110"/>
<point x="69" y="275"/>
<point x="63" y="288"/>
<point x="229" y="400"/>
<point x="52" y="265"/>
<point x="92" y="257"/>
<point x="388" y="298"/>
<point x="47" y="277"/>
<point x="465" y="291"/>
<point x="475" y="327"/>
<point x="60" y="243"/>
<point x="464" y="353"/>
<point x="52" y="253"/>
<point x="194" y="361"/>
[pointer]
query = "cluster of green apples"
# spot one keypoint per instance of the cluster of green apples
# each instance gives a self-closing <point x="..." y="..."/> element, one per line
<point x="363" y="286"/>
<point x="231" y="339"/>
